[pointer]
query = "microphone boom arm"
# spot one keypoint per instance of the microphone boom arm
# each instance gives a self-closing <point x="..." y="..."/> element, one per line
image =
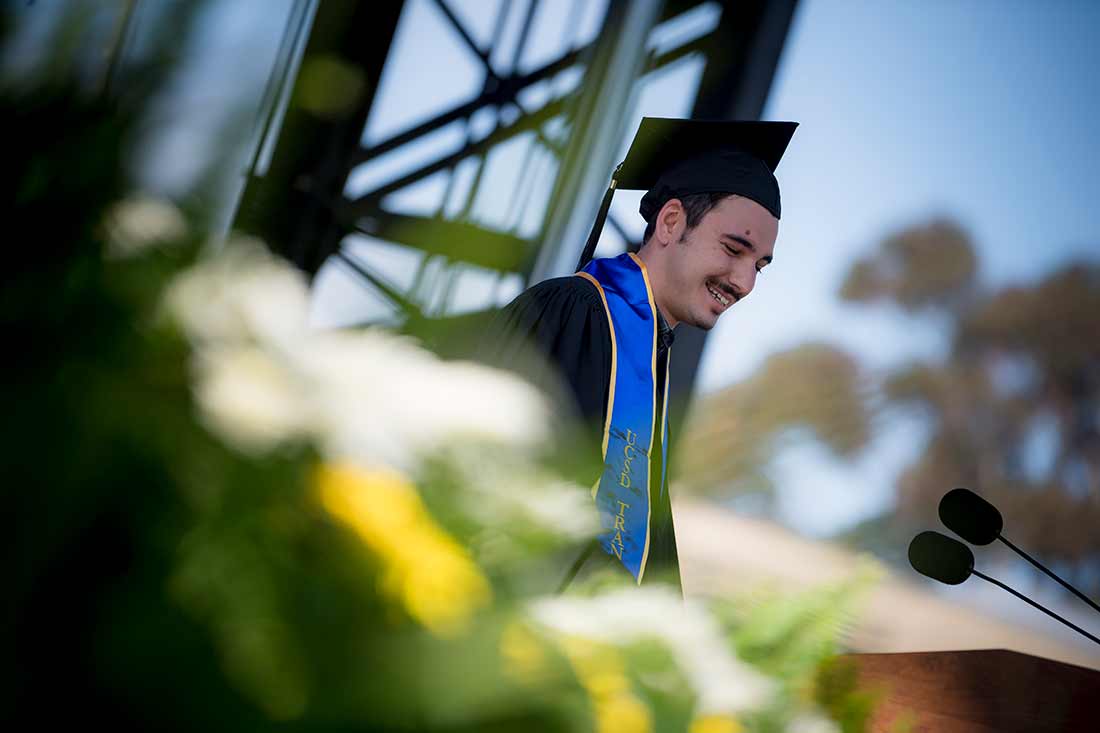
<point x="1036" y="563"/>
<point x="1050" y="613"/>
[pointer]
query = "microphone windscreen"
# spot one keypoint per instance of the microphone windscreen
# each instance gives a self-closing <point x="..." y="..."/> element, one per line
<point x="970" y="516"/>
<point x="941" y="558"/>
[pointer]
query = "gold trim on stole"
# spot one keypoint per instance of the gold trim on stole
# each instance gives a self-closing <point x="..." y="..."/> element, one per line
<point x="614" y="365"/>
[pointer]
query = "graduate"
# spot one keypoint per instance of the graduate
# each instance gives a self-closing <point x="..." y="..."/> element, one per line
<point x="712" y="212"/>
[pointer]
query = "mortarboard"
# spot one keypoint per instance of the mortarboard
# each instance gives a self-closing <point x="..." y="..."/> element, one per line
<point x="670" y="158"/>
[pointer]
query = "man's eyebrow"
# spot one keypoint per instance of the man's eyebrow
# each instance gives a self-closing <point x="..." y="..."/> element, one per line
<point x="747" y="244"/>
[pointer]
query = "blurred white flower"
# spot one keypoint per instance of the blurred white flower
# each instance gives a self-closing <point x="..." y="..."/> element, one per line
<point x="368" y="396"/>
<point x="812" y="723"/>
<point x="383" y="399"/>
<point x="139" y="222"/>
<point x="245" y="293"/>
<point x="250" y="399"/>
<point x="561" y="506"/>
<point x="722" y="683"/>
<point x="506" y="488"/>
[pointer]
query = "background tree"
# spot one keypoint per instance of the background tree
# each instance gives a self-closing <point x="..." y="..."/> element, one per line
<point x="1014" y="408"/>
<point x="814" y="391"/>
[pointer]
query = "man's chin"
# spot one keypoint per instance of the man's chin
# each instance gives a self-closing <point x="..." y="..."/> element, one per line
<point x="705" y="322"/>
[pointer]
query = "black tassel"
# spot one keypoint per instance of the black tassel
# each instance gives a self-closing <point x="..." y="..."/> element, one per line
<point x="597" y="227"/>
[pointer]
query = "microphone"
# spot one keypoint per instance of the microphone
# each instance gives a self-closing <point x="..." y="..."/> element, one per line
<point x="941" y="558"/>
<point x="970" y="516"/>
<point x="979" y="523"/>
<point x="947" y="560"/>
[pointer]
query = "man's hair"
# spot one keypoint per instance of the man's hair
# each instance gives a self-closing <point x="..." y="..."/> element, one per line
<point x="696" y="206"/>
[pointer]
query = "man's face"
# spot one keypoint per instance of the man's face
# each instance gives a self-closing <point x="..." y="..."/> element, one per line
<point x="715" y="264"/>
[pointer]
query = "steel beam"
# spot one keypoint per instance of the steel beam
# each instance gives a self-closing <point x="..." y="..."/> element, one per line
<point x="292" y="207"/>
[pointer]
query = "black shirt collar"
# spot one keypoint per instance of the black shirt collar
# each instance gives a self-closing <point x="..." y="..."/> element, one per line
<point x="665" y="336"/>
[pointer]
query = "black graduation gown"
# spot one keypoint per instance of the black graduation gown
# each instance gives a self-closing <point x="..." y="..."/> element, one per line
<point x="564" y="320"/>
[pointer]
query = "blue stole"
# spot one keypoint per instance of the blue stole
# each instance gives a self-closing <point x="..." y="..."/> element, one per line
<point x="622" y="492"/>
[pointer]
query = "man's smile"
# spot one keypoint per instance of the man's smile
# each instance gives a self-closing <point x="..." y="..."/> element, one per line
<point x="725" y="299"/>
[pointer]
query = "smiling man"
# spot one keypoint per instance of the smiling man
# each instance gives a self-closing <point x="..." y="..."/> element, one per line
<point x="704" y="253"/>
<point x="712" y="213"/>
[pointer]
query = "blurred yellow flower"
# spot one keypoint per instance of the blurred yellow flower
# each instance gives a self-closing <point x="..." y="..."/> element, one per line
<point x="715" y="724"/>
<point x="424" y="567"/>
<point x="524" y="658"/>
<point x="722" y="682"/>
<point x="602" y="673"/>
<point x="622" y="713"/>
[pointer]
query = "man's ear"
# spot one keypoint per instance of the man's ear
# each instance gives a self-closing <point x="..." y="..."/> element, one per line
<point x="670" y="222"/>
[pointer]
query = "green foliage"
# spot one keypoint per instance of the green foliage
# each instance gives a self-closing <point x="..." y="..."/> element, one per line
<point x="795" y="638"/>
<point x="838" y="692"/>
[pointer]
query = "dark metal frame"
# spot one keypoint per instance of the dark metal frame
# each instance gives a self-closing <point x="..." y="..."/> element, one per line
<point x="299" y="206"/>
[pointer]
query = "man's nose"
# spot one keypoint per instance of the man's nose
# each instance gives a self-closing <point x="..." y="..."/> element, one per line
<point x="741" y="281"/>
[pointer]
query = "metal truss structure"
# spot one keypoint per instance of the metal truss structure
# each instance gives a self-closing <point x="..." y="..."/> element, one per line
<point x="309" y="206"/>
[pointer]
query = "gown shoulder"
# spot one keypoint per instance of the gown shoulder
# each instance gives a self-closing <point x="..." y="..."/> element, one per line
<point x="564" y="322"/>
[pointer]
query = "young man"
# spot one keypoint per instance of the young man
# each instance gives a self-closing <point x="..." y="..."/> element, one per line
<point x="712" y="211"/>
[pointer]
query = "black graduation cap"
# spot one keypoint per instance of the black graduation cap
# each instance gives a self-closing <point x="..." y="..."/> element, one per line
<point x="670" y="158"/>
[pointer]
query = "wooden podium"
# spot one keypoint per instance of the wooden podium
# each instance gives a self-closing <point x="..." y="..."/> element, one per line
<point x="981" y="691"/>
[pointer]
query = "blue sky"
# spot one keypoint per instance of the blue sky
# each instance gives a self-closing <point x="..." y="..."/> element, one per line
<point x="979" y="111"/>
